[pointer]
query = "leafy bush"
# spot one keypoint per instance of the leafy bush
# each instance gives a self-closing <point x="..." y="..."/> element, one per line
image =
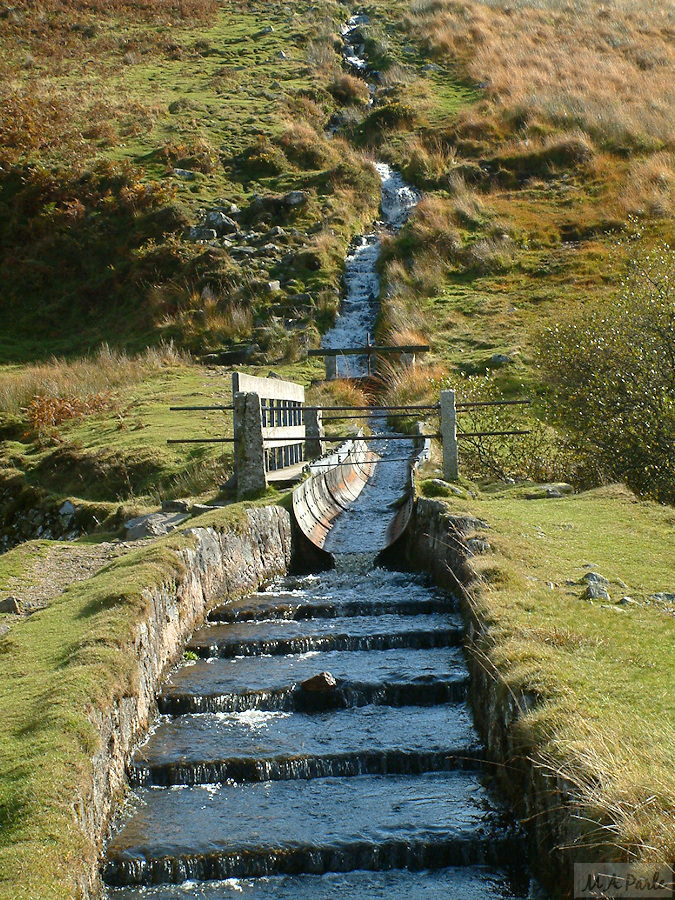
<point x="611" y="376"/>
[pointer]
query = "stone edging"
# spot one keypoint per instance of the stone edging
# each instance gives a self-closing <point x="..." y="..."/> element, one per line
<point x="437" y="541"/>
<point x="230" y="564"/>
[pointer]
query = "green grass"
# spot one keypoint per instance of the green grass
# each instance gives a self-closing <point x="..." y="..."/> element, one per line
<point x="59" y="666"/>
<point x="600" y="671"/>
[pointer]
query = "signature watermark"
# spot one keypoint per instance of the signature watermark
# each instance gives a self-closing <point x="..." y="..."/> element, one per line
<point x="610" y="880"/>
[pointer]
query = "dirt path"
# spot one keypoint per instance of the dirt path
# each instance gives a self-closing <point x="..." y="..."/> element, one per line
<point x="52" y="573"/>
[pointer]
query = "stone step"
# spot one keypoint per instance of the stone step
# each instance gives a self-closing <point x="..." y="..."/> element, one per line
<point x="322" y="825"/>
<point x="456" y="883"/>
<point x="263" y="746"/>
<point x="281" y="637"/>
<point x="392" y="677"/>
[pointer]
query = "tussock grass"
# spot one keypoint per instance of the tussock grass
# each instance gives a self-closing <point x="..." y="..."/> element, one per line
<point x="76" y="380"/>
<point x="604" y="717"/>
<point x="603" y="69"/>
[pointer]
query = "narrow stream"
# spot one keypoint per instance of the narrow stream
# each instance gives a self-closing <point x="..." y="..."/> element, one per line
<point x="318" y="744"/>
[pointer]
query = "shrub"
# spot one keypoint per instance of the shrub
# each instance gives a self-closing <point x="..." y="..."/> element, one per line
<point x="347" y="89"/>
<point x="611" y="376"/>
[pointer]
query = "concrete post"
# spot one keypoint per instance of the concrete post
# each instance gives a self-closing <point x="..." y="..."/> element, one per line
<point x="249" y="452"/>
<point x="314" y="446"/>
<point x="331" y="368"/>
<point x="449" y="436"/>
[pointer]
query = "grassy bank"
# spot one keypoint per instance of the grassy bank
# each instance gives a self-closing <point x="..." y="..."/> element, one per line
<point x="62" y="668"/>
<point x="122" y="126"/>
<point x="596" y="672"/>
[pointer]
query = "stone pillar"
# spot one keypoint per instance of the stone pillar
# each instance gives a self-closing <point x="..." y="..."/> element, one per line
<point x="314" y="446"/>
<point x="331" y="368"/>
<point x="249" y="452"/>
<point x="449" y="436"/>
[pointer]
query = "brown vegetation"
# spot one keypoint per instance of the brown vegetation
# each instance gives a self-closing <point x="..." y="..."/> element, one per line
<point x="602" y="68"/>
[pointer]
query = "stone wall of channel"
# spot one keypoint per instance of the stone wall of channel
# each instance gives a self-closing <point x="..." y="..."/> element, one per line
<point x="444" y="545"/>
<point x="218" y="565"/>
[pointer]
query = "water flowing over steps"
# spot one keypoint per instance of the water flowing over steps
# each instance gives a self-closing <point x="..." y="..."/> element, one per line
<point x="392" y="677"/>
<point x="280" y="638"/>
<point x="252" y="786"/>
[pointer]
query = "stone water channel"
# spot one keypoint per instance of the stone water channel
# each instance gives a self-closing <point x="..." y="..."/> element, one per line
<point x="316" y="742"/>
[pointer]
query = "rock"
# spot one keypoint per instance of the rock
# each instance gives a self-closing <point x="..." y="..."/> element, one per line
<point x="153" y="525"/>
<point x="663" y="597"/>
<point x="446" y="487"/>
<point x="268" y="29"/>
<point x="295" y="198"/>
<point x="198" y="508"/>
<point x="11" y="605"/>
<point x="320" y="684"/>
<point x="282" y="55"/>
<point x="628" y="601"/>
<point x="595" y="591"/>
<point x="478" y="546"/>
<point x="277" y="231"/>
<point x="220" y="223"/>
<point x="499" y="359"/>
<point x="553" y="493"/>
<point x="594" y="578"/>
<point x="186" y="174"/>
<point x="67" y="509"/>
<point x="175" y="506"/>
<point x="201" y="233"/>
<point x="273" y="287"/>
<point x="239" y="354"/>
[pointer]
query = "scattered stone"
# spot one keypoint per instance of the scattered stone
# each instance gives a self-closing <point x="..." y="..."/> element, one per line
<point x="11" y="605"/>
<point x="186" y="174"/>
<point x="595" y="578"/>
<point x="220" y="223"/>
<point x="628" y="601"/>
<point x="268" y="29"/>
<point x="663" y="597"/>
<point x="277" y="231"/>
<point x="153" y="525"/>
<point x="553" y="493"/>
<point x="273" y="287"/>
<point x="282" y="55"/>
<point x="320" y="684"/>
<point x="431" y="67"/>
<point x="595" y="591"/>
<point x="175" y="506"/>
<point x="200" y="234"/>
<point x="67" y="509"/>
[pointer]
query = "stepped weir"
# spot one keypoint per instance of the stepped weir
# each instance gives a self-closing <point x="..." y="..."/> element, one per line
<point x="316" y="742"/>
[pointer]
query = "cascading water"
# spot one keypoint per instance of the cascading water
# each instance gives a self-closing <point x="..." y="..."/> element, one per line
<point x="318" y="744"/>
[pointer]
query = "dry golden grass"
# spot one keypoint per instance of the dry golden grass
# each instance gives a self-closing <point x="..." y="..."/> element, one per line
<point x="603" y="68"/>
<point x="61" y="382"/>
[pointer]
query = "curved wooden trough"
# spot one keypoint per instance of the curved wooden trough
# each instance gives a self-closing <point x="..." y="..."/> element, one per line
<point x="337" y="481"/>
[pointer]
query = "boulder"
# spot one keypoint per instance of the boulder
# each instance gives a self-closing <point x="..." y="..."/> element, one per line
<point x="295" y="198"/>
<point x="220" y="223"/>
<point x="67" y="509"/>
<point x="595" y="591"/>
<point x="322" y="683"/>
<point x="153" y="525"/>
<point x="11" y="605"/>
<point x="594" y="578"/>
